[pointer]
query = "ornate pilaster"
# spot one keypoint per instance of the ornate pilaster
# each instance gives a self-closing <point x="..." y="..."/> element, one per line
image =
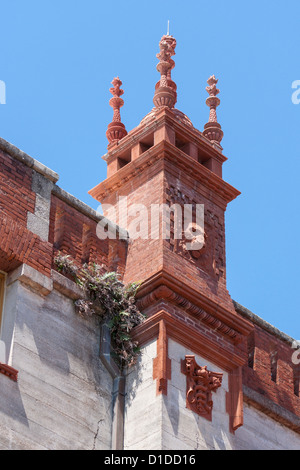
<point x="116" y="129"/>
<point x="212" y="129"/>
<point x="165" y="90"/>
<point x="162" y="364"/>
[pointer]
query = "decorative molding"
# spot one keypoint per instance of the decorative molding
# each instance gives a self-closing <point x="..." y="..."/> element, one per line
<point x="9" y="371"/>
<point x="200" y="383"/>
<point x="162" y="364"/>
<point x="196" y="298"/>
<point x="159" y="117"/>
<point x="222" y="192"/>
<point x="164" y="292"/>
<point x="186" y="335"/>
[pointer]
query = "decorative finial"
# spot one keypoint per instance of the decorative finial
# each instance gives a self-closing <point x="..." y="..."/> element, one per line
<point x="116" y="129"/>
<point x="212" y="130"/>
<point x="165" y="90"/>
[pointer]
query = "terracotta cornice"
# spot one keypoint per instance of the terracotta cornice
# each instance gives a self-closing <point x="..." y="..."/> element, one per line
<point x="192" y="134"/>
<point x="162" y="117"/>
<point x="165" y="150"/>
<point x="185" y="335"/>
<point x="164" y="286"/>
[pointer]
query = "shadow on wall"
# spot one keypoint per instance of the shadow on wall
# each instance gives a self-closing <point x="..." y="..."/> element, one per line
<point x="192" y="431"/>
<point x="11" y="404"/>
<point x="54" y="350"/>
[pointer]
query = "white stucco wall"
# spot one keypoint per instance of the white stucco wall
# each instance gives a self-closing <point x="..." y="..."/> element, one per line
<point x="263" y="433"/>
<point x="182" y="428"/>
<point x="163" y="422"/>
<point x="143" y="408"/>
<point x="62" y="399"/>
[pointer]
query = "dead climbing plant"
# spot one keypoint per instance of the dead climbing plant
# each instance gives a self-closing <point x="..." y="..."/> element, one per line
<point x="114" y="303"/>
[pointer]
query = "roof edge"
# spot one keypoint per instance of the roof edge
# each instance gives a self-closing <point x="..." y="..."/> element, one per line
<point x="88" y="211"/>
<point x="246" y="313"/>
<point x="23" y="157"/>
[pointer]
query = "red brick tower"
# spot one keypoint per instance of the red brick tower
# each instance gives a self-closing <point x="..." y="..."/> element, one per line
<point x="165" y="160"/>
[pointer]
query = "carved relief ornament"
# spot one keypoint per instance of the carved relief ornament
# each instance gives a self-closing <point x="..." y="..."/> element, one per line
<point x="200" y="383"/>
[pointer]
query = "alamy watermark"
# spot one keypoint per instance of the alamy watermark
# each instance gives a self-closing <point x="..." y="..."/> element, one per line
<point x="296" y="353"/>
<point x="2" y="92"/>
<point x="296" y="93"/>
<point x="157" y="221"/>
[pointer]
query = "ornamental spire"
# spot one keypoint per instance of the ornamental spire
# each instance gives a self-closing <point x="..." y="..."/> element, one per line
<point x="116" y="129"/>
<point x="212" y="129"/>
<point x="165" y="90"/>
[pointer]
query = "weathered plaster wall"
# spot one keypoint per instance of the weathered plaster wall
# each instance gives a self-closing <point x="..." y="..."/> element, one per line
<point x="143" y="408"/>
<point x="184" y="429"/>
<point x="163" y="422"/>
<point x="62" y="399"/>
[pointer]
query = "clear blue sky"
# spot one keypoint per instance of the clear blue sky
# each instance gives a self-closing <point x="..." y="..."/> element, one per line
<point x="59" y="57"/>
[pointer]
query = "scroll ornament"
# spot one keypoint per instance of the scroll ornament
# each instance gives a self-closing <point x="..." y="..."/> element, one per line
<point x="200" y="383"/>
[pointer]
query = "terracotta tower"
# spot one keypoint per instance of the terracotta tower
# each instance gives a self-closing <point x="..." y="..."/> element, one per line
<point x="210" y="373"/>
<point x="165" y="162"/>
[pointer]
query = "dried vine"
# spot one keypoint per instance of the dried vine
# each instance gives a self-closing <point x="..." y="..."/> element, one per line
<point x="106" y="296"/>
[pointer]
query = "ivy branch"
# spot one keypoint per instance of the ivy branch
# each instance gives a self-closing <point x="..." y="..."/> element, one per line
<point x="107" y="297"/>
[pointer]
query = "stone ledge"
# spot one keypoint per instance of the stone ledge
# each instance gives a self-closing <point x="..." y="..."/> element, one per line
<point x="65" y="286"/>
<point x="27" y="160"/>
<point x="32" y="278"/>
<point x="262" y="323"/>
<point x="277" y="412"/>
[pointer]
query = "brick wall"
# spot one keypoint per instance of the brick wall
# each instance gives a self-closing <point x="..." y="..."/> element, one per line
<point x="17" y="244"/>
<point x="70" y="231"/>
<point x="16" y="196"/>
<point x="270" y="370"/>
<point x="74" y="233"/>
